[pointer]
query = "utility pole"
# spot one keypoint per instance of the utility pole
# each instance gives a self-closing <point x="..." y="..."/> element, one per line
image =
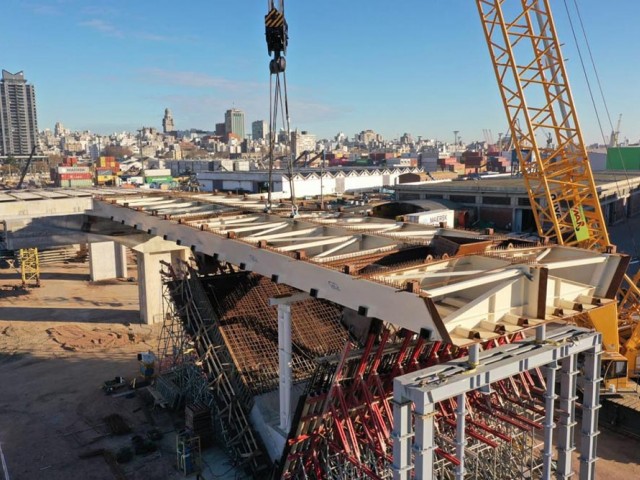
<point x="324" y="151"/>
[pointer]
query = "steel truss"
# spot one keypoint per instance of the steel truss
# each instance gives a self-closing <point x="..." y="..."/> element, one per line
<point x="29" y="267"/>
<point x="531" y="74"/>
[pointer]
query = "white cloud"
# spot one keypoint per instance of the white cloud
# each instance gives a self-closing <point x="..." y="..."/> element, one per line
<point x="191" y="79"/>
<point x="103" y="27"/>
<point x="43" y="9"/>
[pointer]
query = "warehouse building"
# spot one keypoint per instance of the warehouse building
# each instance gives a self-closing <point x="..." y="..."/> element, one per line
<point x="504" y="202"/>
<point x="306" y="182"/>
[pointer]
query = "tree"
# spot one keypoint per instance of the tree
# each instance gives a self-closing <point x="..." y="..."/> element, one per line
<point x="117" y="151"/>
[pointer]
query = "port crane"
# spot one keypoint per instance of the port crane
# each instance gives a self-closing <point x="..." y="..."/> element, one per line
<point x="535" y="92"/>
<point x="615" y="134"/>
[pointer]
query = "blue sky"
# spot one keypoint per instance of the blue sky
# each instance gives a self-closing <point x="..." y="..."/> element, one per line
<point x="417" y="66"/>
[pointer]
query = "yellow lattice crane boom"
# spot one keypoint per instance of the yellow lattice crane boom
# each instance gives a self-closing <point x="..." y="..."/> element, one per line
<point x="534" y="87"/>
<point x="533" y="83"/>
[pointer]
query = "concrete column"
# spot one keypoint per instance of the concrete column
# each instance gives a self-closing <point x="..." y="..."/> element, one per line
<point x="179" y="258"/>
<point x="284" y="355"/>
<point x="121" y="260"/>
<point x="107" y="260"/>
<point x="149" y="256"/>
<point x="402" y="433"/>
<point x="102" y="261"/>
<point x="590" y="407"/>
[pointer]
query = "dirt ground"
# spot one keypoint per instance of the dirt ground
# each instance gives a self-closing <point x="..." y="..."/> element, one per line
<point x="60" y="342"/>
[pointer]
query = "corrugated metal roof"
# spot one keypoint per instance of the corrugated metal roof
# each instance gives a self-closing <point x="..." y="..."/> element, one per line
<point x="515" y="184"/>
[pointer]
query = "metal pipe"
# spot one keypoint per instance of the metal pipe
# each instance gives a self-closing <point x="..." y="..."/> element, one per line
<point x="474" y="355"/>
<point x="590" y="407"/>
<point x="401" y="440"/>
<point x="460" y="434"/>
<point x="549" y="397"/>
<point x="567" y="416"/>
<point x="424" y="443"/>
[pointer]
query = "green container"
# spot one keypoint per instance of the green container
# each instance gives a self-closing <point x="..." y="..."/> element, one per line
<point x="623" y="158"/>
<point x="164" y="179"/>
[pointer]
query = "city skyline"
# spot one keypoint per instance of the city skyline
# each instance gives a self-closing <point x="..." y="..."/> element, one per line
<point x="417" y="67"/>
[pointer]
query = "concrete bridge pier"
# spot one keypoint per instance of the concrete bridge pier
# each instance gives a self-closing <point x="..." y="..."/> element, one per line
<point x="107" y="260"/>
<point x="149" y="256"/>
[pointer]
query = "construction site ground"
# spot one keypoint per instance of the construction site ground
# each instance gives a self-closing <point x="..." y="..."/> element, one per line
<point x="60" y="342"/>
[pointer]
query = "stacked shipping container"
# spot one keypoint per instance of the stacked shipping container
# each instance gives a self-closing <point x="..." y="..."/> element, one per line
<point x="106" y="171"/>
<point x="72" y="176"/>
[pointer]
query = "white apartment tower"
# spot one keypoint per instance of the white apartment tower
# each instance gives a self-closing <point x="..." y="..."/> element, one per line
<point x="302" y="141"/>
<point x="18" y="117"/>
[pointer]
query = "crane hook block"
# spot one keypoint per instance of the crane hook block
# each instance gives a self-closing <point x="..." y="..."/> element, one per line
<point x="277" y="65"/>
<point x="276" y="31"/>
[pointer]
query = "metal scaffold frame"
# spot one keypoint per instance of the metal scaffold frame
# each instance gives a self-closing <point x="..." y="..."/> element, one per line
<point x="419" y="396"/>
<point x="344" y="424"/>
<point x="198" y="363"/>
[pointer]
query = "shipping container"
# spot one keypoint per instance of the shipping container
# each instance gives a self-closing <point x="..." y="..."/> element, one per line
<point x="75" y="183"/>
<point x="432" y="217"/>
<point x="88" y="175"/>
<point x="162" y="179"/>
<point x="106" y="179"/>
<point x="158" y="172"/>
<point x="107" y="162"/>
<point x="623" y="158"/>
<point x="76" y="169"/>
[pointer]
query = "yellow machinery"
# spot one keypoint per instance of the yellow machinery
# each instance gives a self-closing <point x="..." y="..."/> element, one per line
<point x="534" y="87"/>
<point x="29" y="267"/>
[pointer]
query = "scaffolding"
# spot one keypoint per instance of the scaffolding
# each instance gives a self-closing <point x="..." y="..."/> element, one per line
<point x="29" y="267"/>
<point x="474" y="397"/>
<point x="344" y="424"/>
<point x="194" y="358"/>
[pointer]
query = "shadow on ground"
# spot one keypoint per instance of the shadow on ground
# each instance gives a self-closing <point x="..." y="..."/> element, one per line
<point x="82" y="315"/>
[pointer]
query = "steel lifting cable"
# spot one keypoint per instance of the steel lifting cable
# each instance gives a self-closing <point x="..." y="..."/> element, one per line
<point x="597" y="76"/>
<point x="294" y="206"/>
<point x="278" y="99"/>
<point x="271" y="129"/>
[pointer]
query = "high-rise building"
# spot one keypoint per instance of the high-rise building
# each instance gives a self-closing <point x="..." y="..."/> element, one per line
<point x="259" y="130"/>
<point x="59" y="129"/>
<point x="18" y="118"/>
<point x="302" y="141"/>
<point x="220" y="129"/>
<point x="234" y="123"/>
<point x="167" y="122"/>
